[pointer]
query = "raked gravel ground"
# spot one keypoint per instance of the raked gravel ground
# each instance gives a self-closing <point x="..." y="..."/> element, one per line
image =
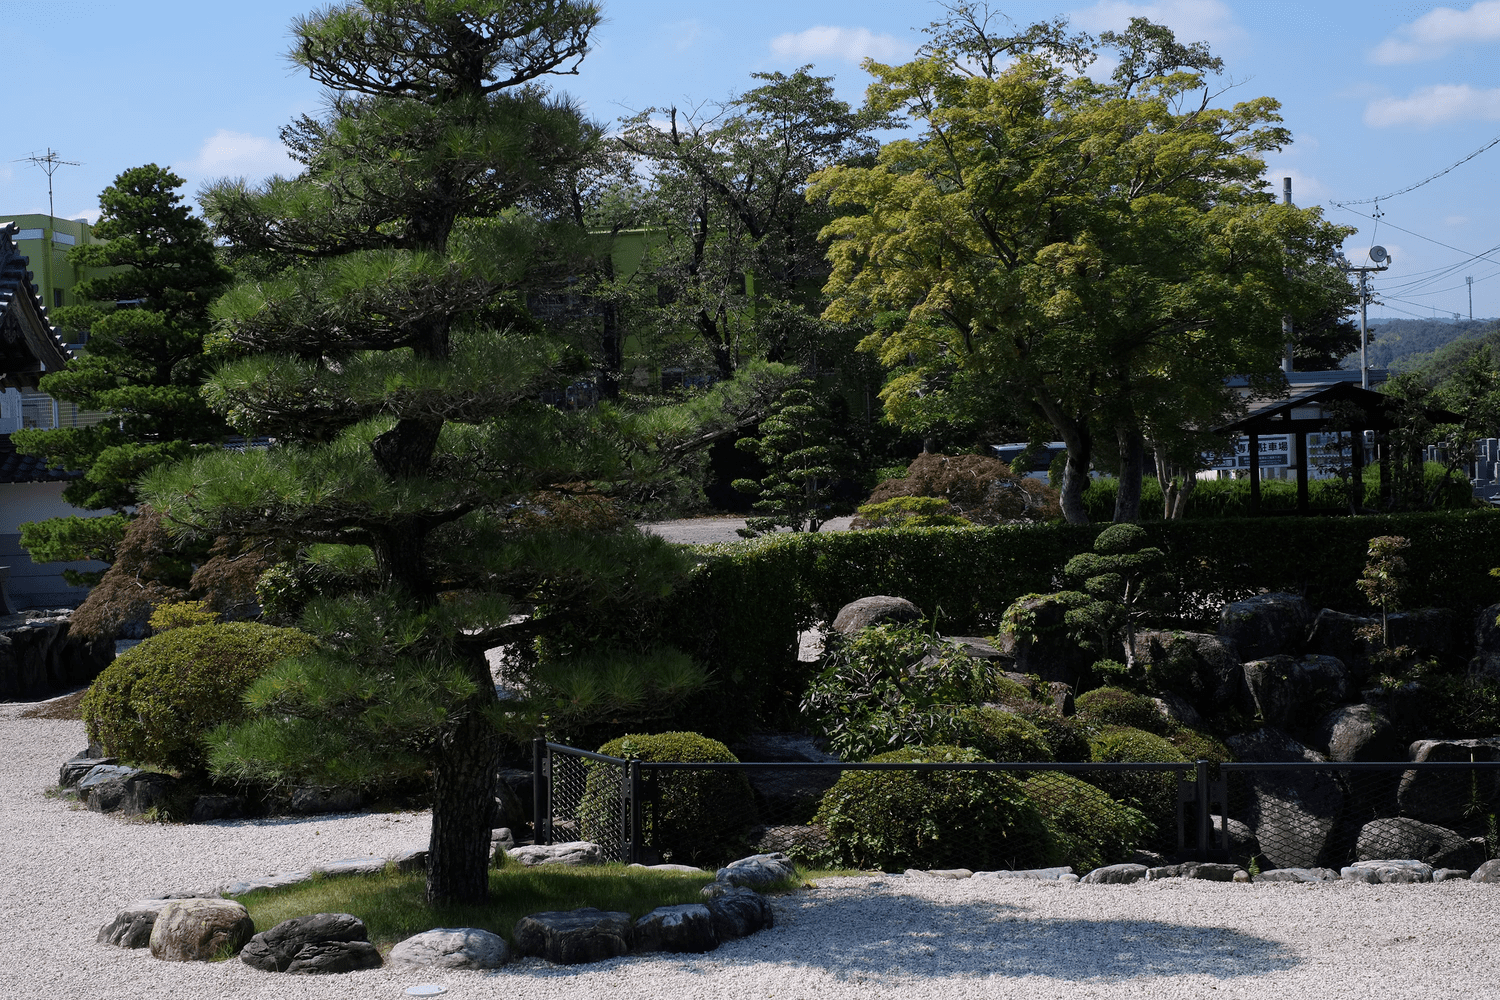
<point x="66" y="871"/>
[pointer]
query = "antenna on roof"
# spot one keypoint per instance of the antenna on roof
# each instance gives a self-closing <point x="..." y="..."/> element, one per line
<point x="49" y="161"/>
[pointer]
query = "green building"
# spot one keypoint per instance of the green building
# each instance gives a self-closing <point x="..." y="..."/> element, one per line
<point x="46" y="241"/>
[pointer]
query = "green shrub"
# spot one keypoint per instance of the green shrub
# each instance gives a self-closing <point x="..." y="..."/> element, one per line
<point x="697" y="817"/>
<point x="892" y="820"/>
<point x="1067" y="738"/>
<point x="909" y="512"/>
<point x="1093" y="830"/>
<point x="157" y="700"/>
<point x="1152" y="792"/>
<point x="1194" y="745"/>
<point x="996" y="735"/>
<point x="1112" y="706"/>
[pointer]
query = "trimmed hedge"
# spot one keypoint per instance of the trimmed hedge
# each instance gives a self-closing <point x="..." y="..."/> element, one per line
<point x="156" y="701"/>
<point x="1093" y="830"/>
<point x="1112" y="706"/>
<point x="745" y="604"/>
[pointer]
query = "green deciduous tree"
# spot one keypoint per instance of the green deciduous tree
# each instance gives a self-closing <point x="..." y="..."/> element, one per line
<point x="381" y="342"/>
<point x="1098" y="256"/>
<point x="147" y="319"/>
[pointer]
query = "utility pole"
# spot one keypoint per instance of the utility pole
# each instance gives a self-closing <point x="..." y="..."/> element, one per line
<point x="1470" y="282"/>
<point x="1382" y="262"/>
<point x="1286" y="321"/>
<point x="49" y="162"/>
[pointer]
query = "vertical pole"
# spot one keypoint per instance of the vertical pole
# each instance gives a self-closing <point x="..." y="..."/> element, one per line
<point x="540" y="795"/>
<point x="1286" y="321"/>
<point x="1357" y="465"/>
<point x="1470" y="281"/>
<point x="1302" y="471"/>
<point x="634" y="828"/>
<point x="1254" y="473"/>
<point x="1205" y="820"/>
<point x="1364" y="334"/>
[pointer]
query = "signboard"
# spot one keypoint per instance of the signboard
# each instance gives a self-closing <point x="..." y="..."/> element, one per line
<point x="1275" y="449"/>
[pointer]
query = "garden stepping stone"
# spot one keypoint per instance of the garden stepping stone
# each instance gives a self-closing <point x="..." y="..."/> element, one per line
<point x="687" y="927"/>
<point x="574" y="852"/>
<point x="948" y="873"/>
<point x="239" y="887"/>
<point x="200" y="930"/>
<point x="1116" y="875"/>
<point x="759" y="871"/>
<point x="317" y="944"/>
<point x="1388" y="871"/>
<point x="1298" y="875"/>
<point x="1207" y="870"/>
<point x="1449" y="875"/>
<point x="76" y="768"/>
<point x="1040" y="874"/>
<point x="739" y="912"/>
<point x="451" y="948"/>
<point x="573" y="936"/>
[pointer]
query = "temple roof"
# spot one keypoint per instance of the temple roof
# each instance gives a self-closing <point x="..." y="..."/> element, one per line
<point x="30" y="346"/>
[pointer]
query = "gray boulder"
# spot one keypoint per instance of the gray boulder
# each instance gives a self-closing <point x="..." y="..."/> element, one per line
<point x="1404" y="837"/>
<point x="739" y="913"/>
<point x="1265" y="625"/>
<point x="132" y="794"/>
<point x="1030" y="874"/>
<point x="1209" y="871"/>
<point x="1047" y="649"/>
<point x="367" y="865"/>
<point x="688" y="927"/>
<point x="451" y="948"/>
<point x="1428" y="631"/>
<point x="200" y="930"/>
<point x="1444" y="797"/>
<point x="1286" y="691"/>
<point x="878" y="610"/>
<point x="1449" y="875"/>
<point x="574" y="853"/>
<point x="318" y="944"/>
<point x="1298" y="875"/>
<point x="1115" y="875"/>
<point x="75" y="767"/>
<point x="1389" y="871"/>
<point x="759" y="871"/>
<point x="574" y="936"/>
<point x="1349" y="638"/>
<point x="1486" y="661"/>
<point x="131" y="927"/>
<point x="1487" y="872"/>
<point x="413" y="859"/>
<point x="1292" y="813"/>
<point x="797" y="842"/>
<point x="1356" y="733"/>
<point x="207" y="808"/>
<point x="509" y="811"/>
<point x="99" y="774"/>
<point x="1195" y="665"/>
<point x="1241" y="841"/>
<point x="312" y="801"/>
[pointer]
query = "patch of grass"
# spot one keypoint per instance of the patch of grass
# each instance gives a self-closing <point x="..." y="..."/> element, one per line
<point x="392" y="906"/>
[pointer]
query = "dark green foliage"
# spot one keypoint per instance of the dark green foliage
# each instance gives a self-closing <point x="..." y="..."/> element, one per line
<point x="1230" y="498"/>
<point x="892" y="820"/>
<point x="996" y="734"/>
<point x="66" y="539"/>
<point x="1194" y="746"/>
<point x="157" y="701"/>
<point x="1092" y="829"/>
<point x="892" y="686"/>
<point x="1384" y="577"/>
<point x="1112" y="706"/>
<point x="803" y="457"/>
<point x="696" y="818"/>
<point x="1067" y="737"/>
<point x="1154" y="793"/>
<point x="910" y="512"/>
<point x="977" y="488"/>
<point x="1467" y="708"/>
<point x="1124" y="581"/>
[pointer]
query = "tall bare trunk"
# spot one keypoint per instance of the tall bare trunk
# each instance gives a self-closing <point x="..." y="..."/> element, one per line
<point x="1132" y="466"/>
<point x="463" y="799"/>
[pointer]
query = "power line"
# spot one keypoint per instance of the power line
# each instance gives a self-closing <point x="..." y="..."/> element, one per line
<point x="1426" y="180"/>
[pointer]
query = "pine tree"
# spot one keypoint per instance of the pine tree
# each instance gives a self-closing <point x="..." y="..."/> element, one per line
<point x="804" y="458"/>
<point x="144" y="364"/>
<point x="380" y="346"/>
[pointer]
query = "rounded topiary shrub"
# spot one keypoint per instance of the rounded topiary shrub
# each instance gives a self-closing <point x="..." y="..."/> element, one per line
<point x="690" y="817"/>
<point x="1067" y="737"/>
<point x="157" y="700"/>
<point x="1092" y="829"/>
<point x="997" y="735"/>
<point x="892" y="820"/>
<point x="1112" y="706"/>
<point x="1152" y="792"/>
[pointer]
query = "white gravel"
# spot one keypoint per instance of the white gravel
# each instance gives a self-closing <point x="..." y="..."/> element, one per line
<point x="69" y="870"/>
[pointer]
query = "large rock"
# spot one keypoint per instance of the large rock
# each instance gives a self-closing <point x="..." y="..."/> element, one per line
<point x="38" y="657"/>
<point x="207" y="808"/>
<point x="739" y="912"/>
<point x="573" y="852"/>
<point x="1486" y="661"/>
<point x="1286" y="691"/>
<point x="1356" y="733"/>
<point x="1241" y="840"/>
<point x="451" y="948"/>
<point x="1404" y="837"/>
<point x="200" y="930"/>
<point x="1265" y="625"/>
<point x="1208" y="871"/>
<point x="1195" y="665"/>
<point x="688" y="927"/>
<point x="877" y="610"/>
<point x="312" y="801"/>
<point x="99" y="774"/>
<point x="509" y="811"/>
<point x="574" y="936"/>
<point x="805" y="843"/>
<point x="318" y="944"/>
<point x="1389" y="871"/>
<point x="76" y="767"/>
<point x="759" y="871"/>
<point x="789" y="794"/>
<point x="1046" y="648"/>
<point x="132" y="794"/>
<point x="1487" y="872"/>
<point x="1116" y="875"/>
<point x="1428" y="632"/>
<point x="1446" y="797"/>
<point x="131" y="927"/>
<point x="1353" y="640"/>
<point x="1292" y="813"/>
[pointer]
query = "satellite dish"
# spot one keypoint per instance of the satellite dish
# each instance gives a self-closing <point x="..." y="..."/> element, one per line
<point x="1377" y="254"/>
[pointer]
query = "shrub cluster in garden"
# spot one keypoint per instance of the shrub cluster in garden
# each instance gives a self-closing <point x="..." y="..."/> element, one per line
<point x="697" y="816"/>
<point x="156" y="701"/>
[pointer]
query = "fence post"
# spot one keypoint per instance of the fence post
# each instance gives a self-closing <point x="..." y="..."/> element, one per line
<point x="541" y="808"/>
<point x="1205" y="820"/>
<point x="634" y="827"/>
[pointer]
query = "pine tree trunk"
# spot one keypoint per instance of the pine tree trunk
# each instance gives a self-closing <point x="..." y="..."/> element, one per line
<point x="463" y="798"/>
<point x="1132" y="463"/>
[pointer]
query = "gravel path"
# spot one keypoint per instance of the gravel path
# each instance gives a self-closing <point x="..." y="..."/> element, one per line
<point x="69" y="870"/>
<point x="708" y="530"/>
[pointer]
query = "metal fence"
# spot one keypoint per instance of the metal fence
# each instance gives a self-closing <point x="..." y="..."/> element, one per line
<point x="1293" y="815"/>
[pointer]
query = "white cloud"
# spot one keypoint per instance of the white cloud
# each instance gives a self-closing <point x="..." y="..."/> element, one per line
<point x="1436" y="33"/>
<point x="1208" y="21"/>
<point x="849" y="44"/>
<point x="1444" y="102"/>
<point x="89" y="215"/>
<point x="236" y="154"/>
<point x="1455" y="220"/>
<point x="683" y="35"/>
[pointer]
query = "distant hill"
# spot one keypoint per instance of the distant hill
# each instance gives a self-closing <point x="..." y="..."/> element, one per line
<point x="1393" y="342"/>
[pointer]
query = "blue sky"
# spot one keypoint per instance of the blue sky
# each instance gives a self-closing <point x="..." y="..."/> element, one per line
<point x="1377" y="95"/>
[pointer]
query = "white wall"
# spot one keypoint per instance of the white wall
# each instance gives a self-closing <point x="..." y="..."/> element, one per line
<point x="37" y="585"/>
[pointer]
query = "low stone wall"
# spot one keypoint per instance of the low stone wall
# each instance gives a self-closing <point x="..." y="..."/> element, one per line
<point x="38" y="658"/>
